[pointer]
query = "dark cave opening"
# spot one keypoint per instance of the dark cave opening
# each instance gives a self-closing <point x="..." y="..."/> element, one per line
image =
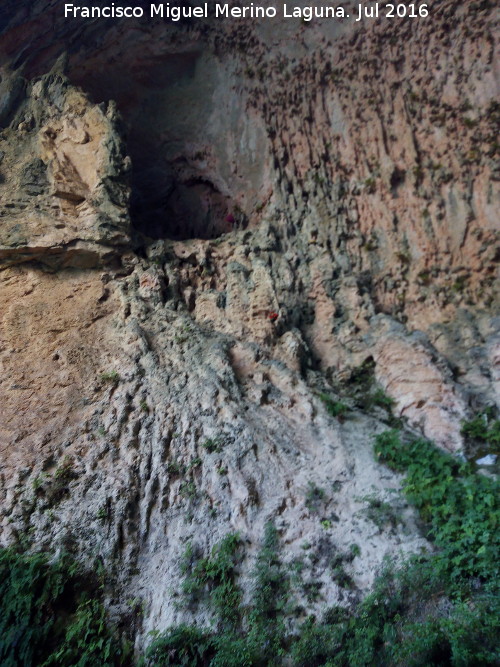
<point x="164" y="205"/>
<point x="177" y="191"/>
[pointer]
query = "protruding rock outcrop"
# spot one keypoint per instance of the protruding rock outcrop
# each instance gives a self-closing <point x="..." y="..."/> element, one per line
<point x="64" y="193"/>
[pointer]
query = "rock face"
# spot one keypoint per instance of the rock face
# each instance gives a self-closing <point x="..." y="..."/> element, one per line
<point x="64" y="193"/>
<point x="205" y="226"/>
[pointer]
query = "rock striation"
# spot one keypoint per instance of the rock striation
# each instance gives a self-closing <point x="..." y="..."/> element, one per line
<point x="206" y="226"/>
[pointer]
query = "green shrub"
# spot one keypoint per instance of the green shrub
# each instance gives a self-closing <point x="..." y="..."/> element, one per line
<point x="213" y="579"/>
<point x="483" y="428"/>
<point x="111" y="377"/>
<point x="494" y="433"/>
<point x="270" y="603"/>
<point x="355" y="549"/>
<point x="381" y="513"/>
<point x="334" y="408"/>
<point x="461" y="507"/>
<point x="462" y="636"/>
<point x="234" y="650"/>
<point x="212" y="445"/>
<point x="183" y="646"/>
<point x="87" y="640"/>
<point x="315" y="645"/>
<point x="380" y="398"/>
<point x="363" y="376"/>
<point x="435" y="609"/>
<point x="47" y="618"/>
<point x="315" y="496"/>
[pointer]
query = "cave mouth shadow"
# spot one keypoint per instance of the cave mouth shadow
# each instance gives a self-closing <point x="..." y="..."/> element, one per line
<point x="164" y="206"/>
<point x="176" y="192"/>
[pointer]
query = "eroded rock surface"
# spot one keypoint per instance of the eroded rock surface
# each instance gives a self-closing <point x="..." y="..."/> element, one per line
<point x="64" y="194"/>
<point x="305" y="203"/>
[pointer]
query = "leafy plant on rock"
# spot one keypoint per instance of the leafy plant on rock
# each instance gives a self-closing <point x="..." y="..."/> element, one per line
<point x="435" y="609"/>
<point x="52" y="615"/>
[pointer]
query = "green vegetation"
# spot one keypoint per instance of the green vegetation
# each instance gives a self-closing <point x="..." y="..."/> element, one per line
<point x="188" y="490"/>
<point x="334" y="408"/>
<point x="212" y="445"/>
<point x="54" y="487"/>
<point x="404" y="257"/>
<point x="483" y="428"/>
<point x="314" y="497"/>
<point x="381" y="513"/>
<point x="194" y="463"/>
<point x="355" y="549"/>
<point x="38" y="482"/>
<point x="435" y="609"/>
<point x="371" y="244"/>
<point x="231" y="643"/>
<point x="370" y="185"/>
<point x="460" y="284"/>
<point x="175" y="468"/>
<point x="213" y="579"/>
<point x="102" y="514"/>
<point x="111" y="377"/>
<point x="363" y="376"/>
<point x="380" y="399"/>
<point x="51" y="615"/>
<point x="418" y="172"/>
<point x="439" y="609"/>
<point x="271" y="601"/>
<point x="469" y="122"/>
<point x="366" y="394"/>
<point x="425" y="278"/>
<point x="461" y="507"/>
<point x="183" y="646"/>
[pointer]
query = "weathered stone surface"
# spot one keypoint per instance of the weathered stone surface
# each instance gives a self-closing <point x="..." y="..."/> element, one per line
<point x="64" y="193"/>
<point x="127" y="392"/>
<point x="304" y="201"/>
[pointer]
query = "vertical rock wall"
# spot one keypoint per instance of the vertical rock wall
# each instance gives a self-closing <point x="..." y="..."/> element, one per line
<point x="302" y="210"/>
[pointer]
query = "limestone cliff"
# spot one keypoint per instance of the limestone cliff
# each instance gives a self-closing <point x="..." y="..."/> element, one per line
<point x="203" y="228"/>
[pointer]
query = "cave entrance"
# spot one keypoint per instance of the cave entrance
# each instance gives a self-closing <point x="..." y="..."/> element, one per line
<point x="181" y="179"/>
<point x="166" y="204"/>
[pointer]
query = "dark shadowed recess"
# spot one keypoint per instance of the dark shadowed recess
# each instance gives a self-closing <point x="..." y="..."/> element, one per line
<point x="174" y="194"/>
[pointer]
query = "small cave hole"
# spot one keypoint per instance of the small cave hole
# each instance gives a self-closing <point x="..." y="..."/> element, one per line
<point x="398" y="177"/>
